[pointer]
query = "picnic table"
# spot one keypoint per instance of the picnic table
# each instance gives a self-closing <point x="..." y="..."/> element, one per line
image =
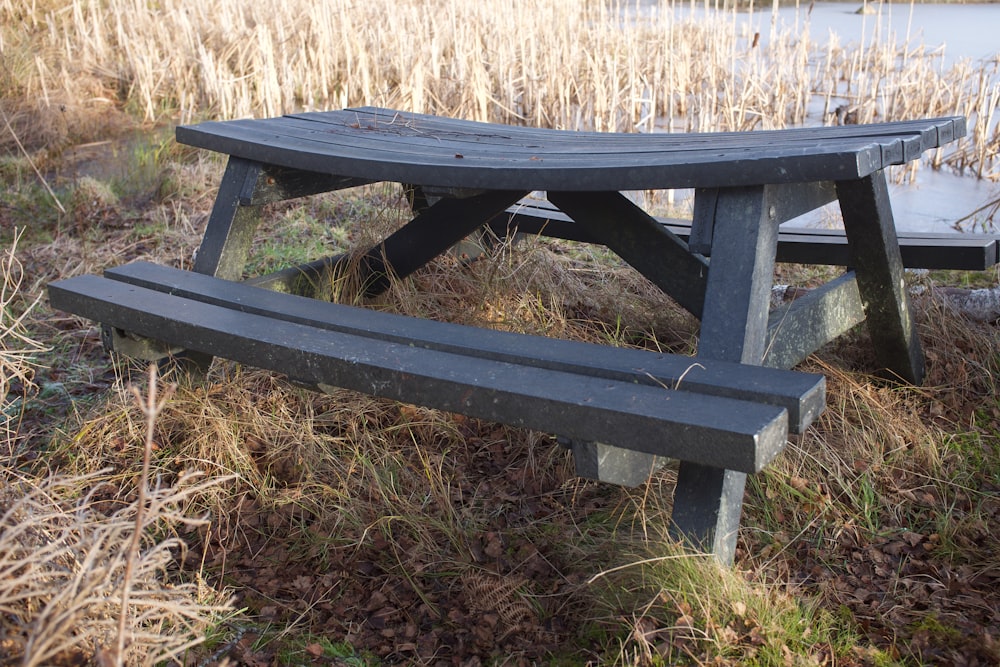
<point x="723" y="414"/>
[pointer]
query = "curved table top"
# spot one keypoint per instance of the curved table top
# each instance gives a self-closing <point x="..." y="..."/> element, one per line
<point x="386" y="145"/>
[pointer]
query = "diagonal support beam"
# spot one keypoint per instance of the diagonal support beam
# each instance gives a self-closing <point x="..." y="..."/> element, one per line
<point x="811" y="321"/>
<point x="640" y="240"/>
<point x="430" y="233"/>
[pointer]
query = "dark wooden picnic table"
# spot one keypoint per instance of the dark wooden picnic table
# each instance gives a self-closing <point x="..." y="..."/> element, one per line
<point x="466" y="175"/>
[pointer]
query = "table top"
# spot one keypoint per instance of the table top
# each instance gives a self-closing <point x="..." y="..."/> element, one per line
<point x="387" y="145"/>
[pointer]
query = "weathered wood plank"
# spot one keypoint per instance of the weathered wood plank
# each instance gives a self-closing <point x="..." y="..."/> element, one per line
<point x="799" y="245"/>
<point x="918" y="250"/>
<point x="414" y="138"/>
<point x="386" y="145"/>
<point x="931" y="132"/>
<point x="446" y="164"/>
<point x="801" y="394"/>
<point x="671" y="423"/>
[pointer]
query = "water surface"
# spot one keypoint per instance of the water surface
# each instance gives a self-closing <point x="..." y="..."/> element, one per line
<point x="953" y="32"/>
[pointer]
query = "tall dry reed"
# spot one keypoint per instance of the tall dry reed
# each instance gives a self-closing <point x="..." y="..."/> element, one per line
<point x="583" y="65"/>
<point x="63" y="556"/>
<point x="18" y="350"/>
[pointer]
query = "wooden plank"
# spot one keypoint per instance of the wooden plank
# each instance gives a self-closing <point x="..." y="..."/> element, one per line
<point x="958" y="251"/>
<point x="542" y="143"/>
<point x="445" y="164"/>
<point x="387" y="145"/>
<point x="931" y="132"/>
<point x="712" y="430"/>
<point x="900" y="140"/>
<point x="342" y="129"/>
<point x="799" y="245"/>
<point x="802" y="395"/>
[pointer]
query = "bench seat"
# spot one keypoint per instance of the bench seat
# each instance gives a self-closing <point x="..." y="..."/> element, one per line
<point x="798" y="245"/>
<point x="718" y="414"/>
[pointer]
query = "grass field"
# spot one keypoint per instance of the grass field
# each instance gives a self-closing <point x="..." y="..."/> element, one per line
<point x="244" y="520"/>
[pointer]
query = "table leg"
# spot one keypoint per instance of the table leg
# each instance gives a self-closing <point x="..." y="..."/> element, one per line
<point x="708" y="501"/>
<point x="871" y="237"/>
<point x="663" y="258"/>
<point x="224" y="246"/>
<point x="247" y="185"/>
<point x="230" y="231"/>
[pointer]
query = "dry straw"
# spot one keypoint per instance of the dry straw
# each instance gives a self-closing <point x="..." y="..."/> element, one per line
<point x="18" y="350"/>
<point x="576" y="65"/>
<point x="81" y="569"/>
<point x="62" y="557"/>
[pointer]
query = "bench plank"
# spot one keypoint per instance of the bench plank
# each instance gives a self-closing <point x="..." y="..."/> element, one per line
<point x="801" y="394"/>
<point x="799" y="245"/>
<point x="671" y="423"/>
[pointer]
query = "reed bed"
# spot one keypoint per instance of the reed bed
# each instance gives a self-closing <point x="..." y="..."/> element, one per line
<point x="576" y="65"/>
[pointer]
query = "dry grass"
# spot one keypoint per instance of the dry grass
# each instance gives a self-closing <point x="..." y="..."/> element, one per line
<point x="408" y="532"/>
<point x="18" y="351"/>
<point x="88" y="564"/>
<point x="63" y="558"/>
